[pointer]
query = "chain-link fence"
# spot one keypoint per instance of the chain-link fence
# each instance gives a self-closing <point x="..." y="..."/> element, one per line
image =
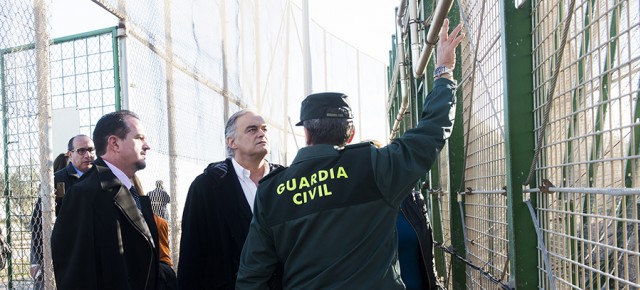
<point x="183" y="69"/>
<point x="83" y="88"/>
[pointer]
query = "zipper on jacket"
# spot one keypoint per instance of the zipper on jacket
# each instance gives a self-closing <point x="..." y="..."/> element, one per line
<point x="421" y="248"/>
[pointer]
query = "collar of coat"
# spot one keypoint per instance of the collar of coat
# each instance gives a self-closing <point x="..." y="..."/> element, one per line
<point x="71" y="170"/>
<point x="122" y="199"/>
<point x="219" y="170"/>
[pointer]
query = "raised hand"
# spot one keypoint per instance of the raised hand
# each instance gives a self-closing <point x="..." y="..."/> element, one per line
<point x="447" y="45"/>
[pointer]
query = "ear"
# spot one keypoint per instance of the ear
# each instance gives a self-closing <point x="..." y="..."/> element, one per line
<point x="231" y="143"/>
<point x="306" y="136"/>
<point x="112" y="143"/>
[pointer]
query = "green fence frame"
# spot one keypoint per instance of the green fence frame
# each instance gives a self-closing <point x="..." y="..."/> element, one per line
<point x="5" y="138"/>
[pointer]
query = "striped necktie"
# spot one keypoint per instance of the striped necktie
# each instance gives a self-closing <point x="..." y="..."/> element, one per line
<point x="136" y="197"/>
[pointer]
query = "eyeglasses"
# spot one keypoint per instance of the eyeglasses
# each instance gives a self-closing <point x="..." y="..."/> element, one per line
<point x="83" y="151"/>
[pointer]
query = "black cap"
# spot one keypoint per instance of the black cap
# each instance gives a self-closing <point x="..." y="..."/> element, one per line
<point x="325" y="105"/>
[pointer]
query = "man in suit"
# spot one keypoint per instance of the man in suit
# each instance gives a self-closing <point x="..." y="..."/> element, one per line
<point x="80" y="152"/>
<point x="219" y="206"/>
<point x="105" y="236"/>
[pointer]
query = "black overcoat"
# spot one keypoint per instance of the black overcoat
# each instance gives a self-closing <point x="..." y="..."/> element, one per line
<point x="100" y="240"/>
<point x="215" y="223"/>
<point x="62" y="180"/>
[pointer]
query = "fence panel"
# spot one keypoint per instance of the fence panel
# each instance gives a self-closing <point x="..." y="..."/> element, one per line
<point x="590" y="152"/>
<point x="83" y="83"/>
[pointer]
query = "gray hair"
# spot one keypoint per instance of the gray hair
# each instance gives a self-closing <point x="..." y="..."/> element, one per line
<point x="330" y="131"/>
<point x="230" y="128"/>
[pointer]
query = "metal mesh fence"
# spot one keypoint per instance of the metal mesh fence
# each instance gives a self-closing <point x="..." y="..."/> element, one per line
<point x="444" y="204"/>
<point x="590" y="151"/>
<point x="586" y="87"/>
<point x="485" y="214"/>
<point x="82" y="89"/>
<point x="20" y="176"/>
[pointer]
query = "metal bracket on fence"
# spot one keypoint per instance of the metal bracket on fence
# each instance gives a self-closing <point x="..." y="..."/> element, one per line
<point x="438" y="192"/>
<point x="426" y="186"/>
<point x="543" y="248"/>
<point x="471" y="191"/>
<point x="546" y="185"/>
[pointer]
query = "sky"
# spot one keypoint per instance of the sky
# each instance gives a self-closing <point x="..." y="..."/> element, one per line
<point x="86" y="15"/>
<point x="365" y="24"/>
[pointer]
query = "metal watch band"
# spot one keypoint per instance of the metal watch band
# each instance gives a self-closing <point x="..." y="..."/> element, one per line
<point x="440" y="70"/>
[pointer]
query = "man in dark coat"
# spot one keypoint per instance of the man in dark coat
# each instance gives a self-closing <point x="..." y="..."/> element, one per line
<point x="80" y="151"/>
<point x="105" y="236"/>
<point x="219" y="205"/>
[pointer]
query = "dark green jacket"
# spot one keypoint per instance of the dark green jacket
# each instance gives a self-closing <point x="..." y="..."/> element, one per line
<point x="329" y="219"/>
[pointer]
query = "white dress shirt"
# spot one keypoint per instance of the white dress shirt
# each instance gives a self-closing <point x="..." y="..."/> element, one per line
<point x="119" y="174"/>
<point x="248" y="186"/>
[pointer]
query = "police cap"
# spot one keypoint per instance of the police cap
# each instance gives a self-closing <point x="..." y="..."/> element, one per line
<point x="325" y="105"/>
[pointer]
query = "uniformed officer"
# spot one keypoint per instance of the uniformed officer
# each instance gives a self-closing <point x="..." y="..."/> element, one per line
<point x="328" y="220"/>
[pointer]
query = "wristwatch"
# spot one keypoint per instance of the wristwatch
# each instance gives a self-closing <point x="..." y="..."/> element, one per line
<point x="440" y="70"/>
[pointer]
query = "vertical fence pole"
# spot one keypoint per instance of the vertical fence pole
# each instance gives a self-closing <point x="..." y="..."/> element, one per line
<point x="517" y="82"/>
<point x="436" y="217"/>
<point x="44" y="133"/>
<point x="7" y="190"/>
<point x="115" y="39"/>
<point x="306" y="49"/>
<point x="456" y="172"/>
<point x="171" y="122"/>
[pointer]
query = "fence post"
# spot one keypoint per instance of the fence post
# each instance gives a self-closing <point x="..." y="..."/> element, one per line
<point x="456" y="170"/>
<point x="44" y="134"/>
<point x="517" y="68"/>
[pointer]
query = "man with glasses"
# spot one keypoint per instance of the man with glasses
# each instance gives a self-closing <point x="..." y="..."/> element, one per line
<point x="81" y="155"/>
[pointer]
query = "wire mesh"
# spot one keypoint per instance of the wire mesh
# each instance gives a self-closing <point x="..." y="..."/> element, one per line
<point x="82" y="78"/>
<point x="445" y="214"/>
<point x="591" y="141"/>
<point x="20" y="168"/>
<point x="485" y="214"/>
